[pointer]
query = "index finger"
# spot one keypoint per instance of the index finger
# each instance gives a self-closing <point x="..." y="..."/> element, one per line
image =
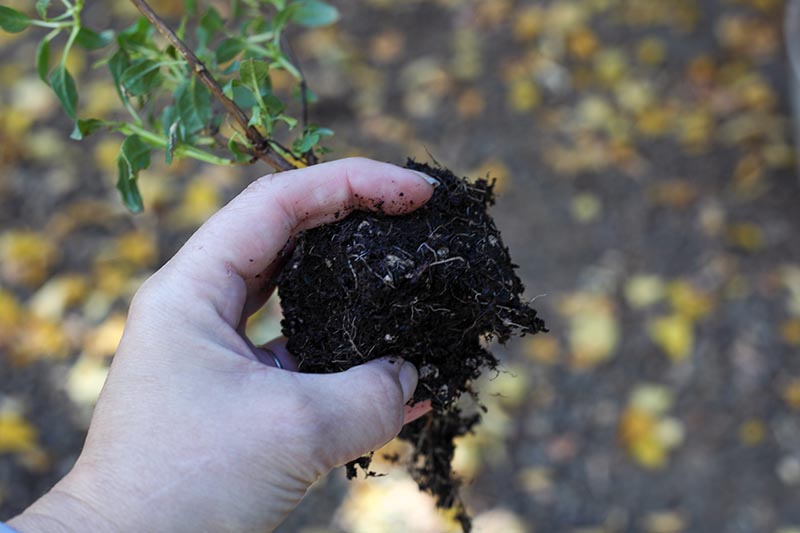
<point x="244" y="237"/>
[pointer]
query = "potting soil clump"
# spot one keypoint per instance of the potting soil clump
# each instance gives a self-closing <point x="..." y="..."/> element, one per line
<point x="431" y="287"/>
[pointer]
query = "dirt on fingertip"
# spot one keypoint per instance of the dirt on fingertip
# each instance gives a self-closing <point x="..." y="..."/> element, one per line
<point x="432" y="286"/>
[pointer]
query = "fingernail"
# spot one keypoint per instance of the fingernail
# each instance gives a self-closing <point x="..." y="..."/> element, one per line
<point x="408" y="380"/>
<point x="433" y="182"/>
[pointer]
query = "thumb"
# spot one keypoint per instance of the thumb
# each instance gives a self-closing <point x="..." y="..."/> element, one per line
<point x="364" y="407"/>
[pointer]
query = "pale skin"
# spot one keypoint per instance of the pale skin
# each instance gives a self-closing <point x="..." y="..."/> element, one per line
<point x="195" y="429"/>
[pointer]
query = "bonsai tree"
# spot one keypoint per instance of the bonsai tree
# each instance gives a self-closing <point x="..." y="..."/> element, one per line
<point x="430" y="286"/>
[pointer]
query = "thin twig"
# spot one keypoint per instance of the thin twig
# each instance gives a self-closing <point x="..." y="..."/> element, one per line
<point x="261" y="144"/>
<point x="310" y="156"/>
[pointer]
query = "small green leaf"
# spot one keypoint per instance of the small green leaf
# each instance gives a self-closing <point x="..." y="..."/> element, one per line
<point x="172" y="141"/>
<point x="289" y="121"/>
<point x="310" y="138"/>
<point x="85" y="127"/>
<point x="91" y="40"/>
<point x="12" y="20"/>
<point x="312" y="13"/>
<point x="236" y="149"/>
<point x="253" y="73"/>
<point x="193" y="105"/>
<point x="227" y="89"/>
<point x="136" y="34"/>
<point x="307" y="142"/>
<point x="43" y="60"/>
<point x="283" y="16"/>
<point x="141" y="77"/>
<point x="242" y="96"/>
<point x="117" y="64"/>
<point x="229" y="48"/>
<point x="255" y="118"/>
<point x="272" y="104"/>
<point x="210" y="23"/>
<point x="64" y="86"/>
<point x="173" y="130"/>
<point x="41" y="7"/>
<point x="134" y="155"/>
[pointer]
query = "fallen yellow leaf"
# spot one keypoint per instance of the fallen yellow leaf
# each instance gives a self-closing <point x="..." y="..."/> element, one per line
<point x="27" y="257"/>
<point x="523" y="96"/>
<point x="16" y="434"/>
<point x="103" y="340"/>
<point x="752" y="432"/>
<point x="689" y="302"/>
<point x="643" y="290"/>
<point x="542" y="348"/>
<point x="674" y="334"/>
<point x="593" y="328"/>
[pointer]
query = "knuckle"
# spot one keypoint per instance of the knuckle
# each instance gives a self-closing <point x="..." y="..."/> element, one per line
<point x="301" y="405"/>
<point x="385" y="400"/>
<point x="356" y="161"/>
<point x="146" y="296"/>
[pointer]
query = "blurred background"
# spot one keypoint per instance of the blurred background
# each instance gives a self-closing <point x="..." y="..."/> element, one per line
<point x="648" y="191"/>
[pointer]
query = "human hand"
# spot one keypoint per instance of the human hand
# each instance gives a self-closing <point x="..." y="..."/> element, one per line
<point x="196" y="430"/>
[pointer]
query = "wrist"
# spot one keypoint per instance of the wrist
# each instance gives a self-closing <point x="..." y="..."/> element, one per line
<point x="64" y="509"/>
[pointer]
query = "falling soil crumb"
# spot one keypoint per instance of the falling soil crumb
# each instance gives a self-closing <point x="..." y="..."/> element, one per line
<point x="429" y="286"/>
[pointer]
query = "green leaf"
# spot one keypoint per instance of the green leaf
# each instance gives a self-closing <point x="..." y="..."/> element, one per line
<point x="12" y="20"/>
<point x="173" y="130"/>
<point x="85" y="127"/>
<point x="227" y="89"/>
<point x="117" y="64"/>
<point x="136" y="34"/>
<point x="236" y="9"/>
<point x="236" y="150"/>
<point x="134" y="155"/>
<point x="91" y="40"/>
<point x="242" y="96"/>
<point x="253" y="73"/>
<point x="229" y="48"/>
<point x="193" y="105"/>
<point x="43" y="60"/>
<point x="64" y="86"/>
<point x="141" y="77"/>
<point x="282" y="17"/>
<point x="272" y="104"/>
<point x="255" y="117"/>
<point x="313" y="13"/>
<point x="41" y="7"/>
<point x="172" y="141"/>
<point x="210" y="23"/>
<point x="289" y="121"/>
<point x="307" y="142"/>
<point x="310" y="138"/>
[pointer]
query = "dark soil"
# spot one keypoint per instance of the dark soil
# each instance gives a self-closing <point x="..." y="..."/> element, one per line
<point x="431" y="287"/>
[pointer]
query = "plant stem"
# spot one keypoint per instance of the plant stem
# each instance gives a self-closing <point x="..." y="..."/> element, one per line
<point x="76" y="28"/>
<point x="310" y="156"/>
<point x="180" y="150"/>
<point x="260" y="144"/>
<point x="43" y="24"/>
